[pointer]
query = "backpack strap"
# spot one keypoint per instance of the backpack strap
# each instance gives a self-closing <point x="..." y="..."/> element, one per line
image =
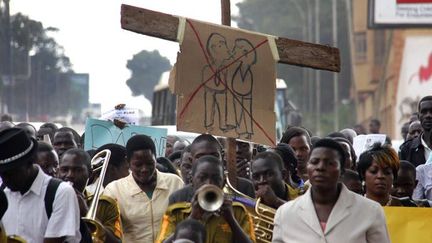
<point x="51" y="190"/>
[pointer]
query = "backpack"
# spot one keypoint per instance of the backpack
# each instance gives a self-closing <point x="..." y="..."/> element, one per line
<point x="51" y="190"/>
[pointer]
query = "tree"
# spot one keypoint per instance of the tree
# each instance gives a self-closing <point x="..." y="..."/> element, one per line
<point x="146" y="69"/>
<point x="289" y="18"/>
<point x="36" y="79"/>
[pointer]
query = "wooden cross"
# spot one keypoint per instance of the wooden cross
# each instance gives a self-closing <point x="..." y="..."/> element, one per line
<point x="293" y="52"/>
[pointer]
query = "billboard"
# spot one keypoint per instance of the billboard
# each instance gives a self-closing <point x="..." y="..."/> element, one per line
<point x="400" y="13"/>
<point x="415" y="78"/>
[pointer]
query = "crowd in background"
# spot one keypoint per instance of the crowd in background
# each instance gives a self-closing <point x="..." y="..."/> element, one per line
<point x="312" y="183"/>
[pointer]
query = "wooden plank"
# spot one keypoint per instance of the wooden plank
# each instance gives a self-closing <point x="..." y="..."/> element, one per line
<point x="226" y="12"/>
<point x="231" y="145"/>
<point x="231" y="156"/>
<point x="293" y="52"/>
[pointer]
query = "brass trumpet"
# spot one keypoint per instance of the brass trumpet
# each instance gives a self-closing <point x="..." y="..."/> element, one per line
<point x="210" y="197"/>
<point x="96" y="228"/>
<point x="261" y="214"/>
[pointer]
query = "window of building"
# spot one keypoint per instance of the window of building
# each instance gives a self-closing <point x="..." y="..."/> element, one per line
<point x="360" y="46"/>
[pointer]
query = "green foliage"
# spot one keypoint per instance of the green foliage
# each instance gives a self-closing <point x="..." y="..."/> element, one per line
<point x="146" y="69"/>
<point x="38" y="78"/>
<point x="295" y="19"/>
<point x="30" y="35"/>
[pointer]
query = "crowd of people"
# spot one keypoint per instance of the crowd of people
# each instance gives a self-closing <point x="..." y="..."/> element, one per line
<point x="317" y="188"/>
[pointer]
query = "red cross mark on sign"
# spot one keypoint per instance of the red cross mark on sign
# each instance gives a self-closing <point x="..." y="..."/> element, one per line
<point x="195" y="92"/>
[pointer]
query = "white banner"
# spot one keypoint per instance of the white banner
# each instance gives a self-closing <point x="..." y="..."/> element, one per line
<point x="415" y="79"/>
<point x="417" y="12"/>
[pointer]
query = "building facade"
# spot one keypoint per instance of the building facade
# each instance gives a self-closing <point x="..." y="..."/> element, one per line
<point x="392" y="70"/>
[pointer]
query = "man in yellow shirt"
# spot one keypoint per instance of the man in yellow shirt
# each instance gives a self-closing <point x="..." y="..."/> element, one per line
<point x="231" y="224"/>
<point x="143" y="195"/>
<point x="75" y="168"/>
<point x="267" y="176"/>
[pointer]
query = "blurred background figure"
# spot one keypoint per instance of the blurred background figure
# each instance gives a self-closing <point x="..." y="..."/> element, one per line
<point x="64" y="139"/>
<point x="374" y="126"/>
<point x="28" y="128"/>
<point x="47" y="128"/>
<point x="47" y="158"/>
<point x="117" y="168"/>
<point x="404" y="130"/>
<point x="414" y="130"/>
<point x="359" y="129"/>
<point x="352" y="181"/>
<point x="169" y="147"/>
<point x="5" y="125"/>
<point x="6" y="117"/>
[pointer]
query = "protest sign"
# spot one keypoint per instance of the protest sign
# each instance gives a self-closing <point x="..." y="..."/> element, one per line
<point x="98" y="133"/>
<point x="409" y="224"/>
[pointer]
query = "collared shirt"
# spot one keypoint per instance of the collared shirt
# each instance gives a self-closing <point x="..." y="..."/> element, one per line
<point x="353" y="219"/>
<point x="423" y="189"/>
<point x="140" y="215"/>
<point x="293" y="193"/>
<point x="217" y="229"/>
<point x="27" y="218"/>
<point x="427" y="150"/>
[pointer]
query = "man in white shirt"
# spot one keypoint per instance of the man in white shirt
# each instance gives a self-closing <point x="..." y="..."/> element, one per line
<point x="30" y="214"/>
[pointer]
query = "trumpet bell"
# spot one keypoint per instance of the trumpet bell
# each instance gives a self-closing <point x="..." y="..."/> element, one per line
<point x="210" y="198"/>
<point x="96" y="230"/>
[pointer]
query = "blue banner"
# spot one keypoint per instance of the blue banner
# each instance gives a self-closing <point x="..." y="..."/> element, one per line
<point x="99" y="132"/>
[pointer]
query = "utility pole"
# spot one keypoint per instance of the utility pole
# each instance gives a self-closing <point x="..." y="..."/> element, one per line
<point x="6" y="77"/>
<point x="335" y="75"/>
<point x="310" y="72"/>
<point x="318" y="73"/>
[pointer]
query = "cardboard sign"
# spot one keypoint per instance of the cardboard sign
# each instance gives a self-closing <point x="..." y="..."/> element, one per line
<point x="406" y="224"/>
<point x="98" y="133"/>
<point x="225" y="83"/>
<point x="362" y="142"/>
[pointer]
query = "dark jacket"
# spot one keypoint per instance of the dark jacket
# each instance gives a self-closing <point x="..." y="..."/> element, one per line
<point x="186" y="193"/>
<point x="413" y="151"/>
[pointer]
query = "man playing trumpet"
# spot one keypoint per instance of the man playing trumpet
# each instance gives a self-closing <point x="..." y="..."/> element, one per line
<point x="231" y="223"/>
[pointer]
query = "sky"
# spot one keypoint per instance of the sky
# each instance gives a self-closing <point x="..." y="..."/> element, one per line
<point x="90" y="32"/>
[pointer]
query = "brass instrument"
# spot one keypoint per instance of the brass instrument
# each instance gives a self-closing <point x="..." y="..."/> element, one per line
<point x="261" y="214"/>
<point x="96" y="228"/>
<point x="210" y="197"/>
<point x="2" y="234"/>
<point x="4" y="238"/>
<point x="15" y="239"/>
<point x="9" y="238"/>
